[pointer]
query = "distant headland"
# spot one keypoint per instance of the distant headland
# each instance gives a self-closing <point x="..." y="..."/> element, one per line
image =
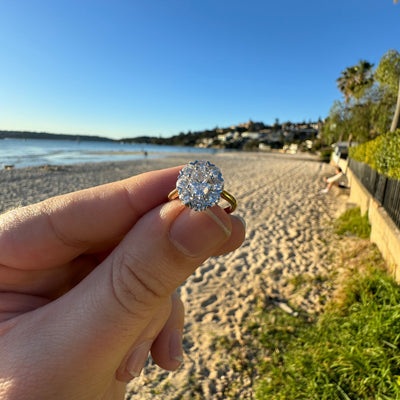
<point x="248" y="136"/>
<point x="50" y="136"/>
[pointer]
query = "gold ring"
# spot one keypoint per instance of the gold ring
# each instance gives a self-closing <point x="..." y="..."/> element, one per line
<point x="200" y="185"/>
<point x="224" y="194"/>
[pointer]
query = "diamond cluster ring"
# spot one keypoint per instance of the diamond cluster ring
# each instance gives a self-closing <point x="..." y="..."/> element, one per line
<point x="200" y="185"/>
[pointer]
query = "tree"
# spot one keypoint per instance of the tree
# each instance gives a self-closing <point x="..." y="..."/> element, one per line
<point x="383" y="102"/>
<point x="337" y="126"/>
<point x="354" y="80"/>
<point x="250" y="126"/>
<point x="388" y="74"/>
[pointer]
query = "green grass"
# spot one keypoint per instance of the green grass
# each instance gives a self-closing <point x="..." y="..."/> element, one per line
<point x="353" y="223"/>
<point x="350" y="351"/>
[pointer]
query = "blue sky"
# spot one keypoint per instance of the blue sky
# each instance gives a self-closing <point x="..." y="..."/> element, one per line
<point x="158" y="67"/>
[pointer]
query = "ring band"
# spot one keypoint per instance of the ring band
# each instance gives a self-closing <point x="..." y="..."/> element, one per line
<point x="224" y="194"/>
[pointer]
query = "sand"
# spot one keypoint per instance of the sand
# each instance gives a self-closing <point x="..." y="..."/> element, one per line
<point x="278" y="195"/>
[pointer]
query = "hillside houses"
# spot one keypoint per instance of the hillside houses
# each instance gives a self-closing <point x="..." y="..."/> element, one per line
<point x="263" y="137"/>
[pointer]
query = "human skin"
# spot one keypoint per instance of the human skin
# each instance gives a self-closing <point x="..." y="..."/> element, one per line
<point x="331" y="183"/>
<point x="88" y="281"/>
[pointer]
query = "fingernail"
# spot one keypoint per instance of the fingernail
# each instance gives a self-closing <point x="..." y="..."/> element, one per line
<point x="175" y="346"/>
<point x="138" y="358"/>
<point x="195" y="233"/>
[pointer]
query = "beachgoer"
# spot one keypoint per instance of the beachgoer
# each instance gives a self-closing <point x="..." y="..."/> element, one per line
<point x="87" y="286"/>
<point x="333" y="180"/>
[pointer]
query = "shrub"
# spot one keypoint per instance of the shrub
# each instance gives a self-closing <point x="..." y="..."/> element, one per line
<point x="325" y="154"/>
<point x="382" y="154"/>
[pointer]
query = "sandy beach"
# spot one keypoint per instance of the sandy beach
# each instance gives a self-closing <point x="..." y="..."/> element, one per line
<point x="278" y="195"/>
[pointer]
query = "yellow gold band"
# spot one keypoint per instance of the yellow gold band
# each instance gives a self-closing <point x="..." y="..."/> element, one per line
<point x="231" y="200"/>
<point x="224" y="194"/>
<point x="173" y="195"/>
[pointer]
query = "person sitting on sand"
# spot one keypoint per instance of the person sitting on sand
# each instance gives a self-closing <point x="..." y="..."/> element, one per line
<point x="333" y="180"/>
<point x="88" y="281"/>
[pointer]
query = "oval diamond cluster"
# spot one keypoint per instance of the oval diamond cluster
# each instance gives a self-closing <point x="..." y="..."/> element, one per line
<point x="199" y="185"/>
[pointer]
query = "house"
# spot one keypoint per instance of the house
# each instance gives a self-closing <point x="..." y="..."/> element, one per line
<point x="251" y="135"/>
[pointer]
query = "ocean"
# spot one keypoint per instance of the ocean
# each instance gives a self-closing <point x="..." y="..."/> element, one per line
<point x="34" y="152"/>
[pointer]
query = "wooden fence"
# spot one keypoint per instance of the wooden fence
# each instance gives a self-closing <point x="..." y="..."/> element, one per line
<point x="385" y="190"/>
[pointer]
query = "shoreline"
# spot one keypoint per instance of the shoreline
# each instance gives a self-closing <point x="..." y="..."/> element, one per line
<point x="53" y="152"/>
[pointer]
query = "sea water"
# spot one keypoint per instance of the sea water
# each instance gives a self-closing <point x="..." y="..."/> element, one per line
<point x="33" y="152"/>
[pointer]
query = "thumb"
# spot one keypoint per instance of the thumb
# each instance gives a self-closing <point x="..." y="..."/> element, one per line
<point x="164" y="248"/>
<point x="94" y="325"/>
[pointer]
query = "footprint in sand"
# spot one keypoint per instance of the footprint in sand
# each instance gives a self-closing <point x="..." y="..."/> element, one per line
<point x="212" y="299"/>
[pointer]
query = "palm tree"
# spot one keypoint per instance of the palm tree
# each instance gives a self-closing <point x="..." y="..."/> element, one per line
<point x="354" y="80"/>
<point x="344" y="83"/>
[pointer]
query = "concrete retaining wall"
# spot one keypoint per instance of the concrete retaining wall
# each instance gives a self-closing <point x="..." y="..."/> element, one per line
<point x="384" y="232"/>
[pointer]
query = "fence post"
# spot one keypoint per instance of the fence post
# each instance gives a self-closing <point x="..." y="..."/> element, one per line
<point x="380" y="190"/>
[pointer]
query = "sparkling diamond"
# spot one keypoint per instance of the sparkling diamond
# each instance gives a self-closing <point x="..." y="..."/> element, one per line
<point x="199" y="185"/>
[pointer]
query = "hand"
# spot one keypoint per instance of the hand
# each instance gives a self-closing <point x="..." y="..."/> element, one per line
<point x="87" y="285"/>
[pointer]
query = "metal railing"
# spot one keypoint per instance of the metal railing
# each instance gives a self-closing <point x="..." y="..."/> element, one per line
<point x="385" y="190"/>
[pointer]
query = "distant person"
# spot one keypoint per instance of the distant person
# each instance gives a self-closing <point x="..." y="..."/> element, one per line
<point x="333" y="180"/>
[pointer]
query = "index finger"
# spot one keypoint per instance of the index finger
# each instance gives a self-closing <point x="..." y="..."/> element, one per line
<point x="57" y="230"/>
